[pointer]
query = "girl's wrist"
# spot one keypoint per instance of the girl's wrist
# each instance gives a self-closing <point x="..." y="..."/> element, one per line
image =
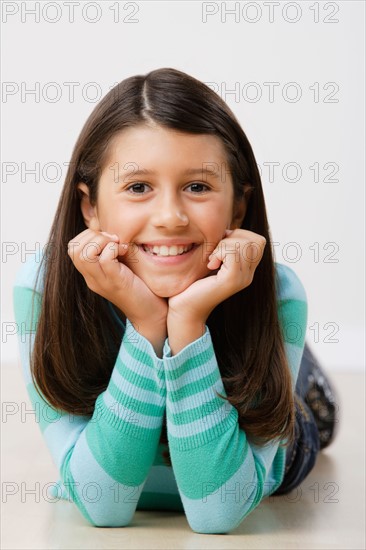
<point x="155" y="333"/>
<point x="183" y="330"/>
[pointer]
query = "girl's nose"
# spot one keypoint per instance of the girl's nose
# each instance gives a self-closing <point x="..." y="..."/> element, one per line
<point x="170" y="214"/>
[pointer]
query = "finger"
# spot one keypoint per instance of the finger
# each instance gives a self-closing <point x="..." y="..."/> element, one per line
<point x="85" y="253"/>
<point x="226" y="252"/>
<point x="75" y="242"/>
<point x="214" y="262"/>
<point x="86" y="235"/>
<point x="108" y="261"/>
<point x="92" y="246"/>
<point x="236" y="253"/>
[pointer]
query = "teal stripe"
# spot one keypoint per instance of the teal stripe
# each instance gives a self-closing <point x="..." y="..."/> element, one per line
<point x="197" y="413"/>
<point x="71" y="486"/>
<point x="194" y="387"/>
<point x="230" y="456"/>
<point x="127" y="463"/>
<point x="160" y="501"/>
<point x="136" y="379"/>
<point x="138" y="354"/>
<point x="188" y="365"/>
<point x="293" y="318"/>
<point x="149" y="409"/>
<point x="119" y="424"/>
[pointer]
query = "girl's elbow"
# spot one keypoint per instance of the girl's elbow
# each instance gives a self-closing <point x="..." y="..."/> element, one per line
<point x="106" y="523"/>
<point x="219" y="529"/>
<point x="105" y="519"/>
<point x="214" y="525"/>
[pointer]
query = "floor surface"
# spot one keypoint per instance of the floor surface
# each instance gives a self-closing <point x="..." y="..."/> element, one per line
<point x="326" y="511"/>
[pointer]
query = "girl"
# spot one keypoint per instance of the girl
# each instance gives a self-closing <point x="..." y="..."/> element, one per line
<point x="167" y="341"/>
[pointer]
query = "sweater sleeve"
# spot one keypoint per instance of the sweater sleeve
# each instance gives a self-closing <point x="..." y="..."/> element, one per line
<point x="103" y="459"/>
<point x="221" y="476"/>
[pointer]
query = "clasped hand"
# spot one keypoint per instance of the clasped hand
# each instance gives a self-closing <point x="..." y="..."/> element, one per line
<point x="233" y="263"/>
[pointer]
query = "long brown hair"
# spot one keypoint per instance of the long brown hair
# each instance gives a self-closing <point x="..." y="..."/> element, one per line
<point x="78" y="339"/>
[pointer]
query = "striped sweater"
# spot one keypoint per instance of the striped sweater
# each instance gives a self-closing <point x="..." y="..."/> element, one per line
<point x="111" y="463"/>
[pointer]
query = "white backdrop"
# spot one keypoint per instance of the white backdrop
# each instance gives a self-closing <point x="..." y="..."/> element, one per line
<point x="292" y="72"/>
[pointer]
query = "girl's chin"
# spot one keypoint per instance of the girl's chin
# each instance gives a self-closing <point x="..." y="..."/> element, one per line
<point x="167" y="292"/>
<point x="167" y="289"/>
<point x="169" y="286"/>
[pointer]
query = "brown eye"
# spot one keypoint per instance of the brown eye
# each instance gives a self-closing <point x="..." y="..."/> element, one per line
<point x="199" y="187"/>
<point x="137" y="188"/>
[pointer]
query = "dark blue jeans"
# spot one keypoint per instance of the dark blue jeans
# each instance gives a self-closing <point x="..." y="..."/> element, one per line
<point x="301" y="456"/>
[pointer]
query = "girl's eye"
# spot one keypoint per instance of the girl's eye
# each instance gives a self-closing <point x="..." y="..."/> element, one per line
<point x="137" y="188"/>
<point x="199" y="187"/>
<point x="140" y="188"/>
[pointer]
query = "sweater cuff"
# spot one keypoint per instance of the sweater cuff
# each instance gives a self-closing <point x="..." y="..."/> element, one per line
<point x="191" y="349"/>
<point x="134" y="401"/>
<point x="142" y="344"/>
<point x="195" y="414"/>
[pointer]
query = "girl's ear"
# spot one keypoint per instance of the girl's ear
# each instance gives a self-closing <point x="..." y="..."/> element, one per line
<point x="240" y="207"/>
<point x="88" y="211"/>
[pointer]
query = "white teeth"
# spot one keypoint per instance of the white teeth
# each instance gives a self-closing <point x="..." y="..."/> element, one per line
<point x="167" y="250"/>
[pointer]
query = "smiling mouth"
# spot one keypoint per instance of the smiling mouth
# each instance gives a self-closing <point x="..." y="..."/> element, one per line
<point x="175" y="250"/>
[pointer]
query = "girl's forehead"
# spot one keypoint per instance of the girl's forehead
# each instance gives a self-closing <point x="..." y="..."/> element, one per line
<point x="154" y="151"/>
<point x="149" y="140"/>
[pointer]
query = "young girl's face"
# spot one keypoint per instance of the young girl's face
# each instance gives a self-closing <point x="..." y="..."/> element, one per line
<point x="154" y="194"/>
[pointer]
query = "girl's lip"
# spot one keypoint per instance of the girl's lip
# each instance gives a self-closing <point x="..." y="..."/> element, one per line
<point x="168" y="260"/>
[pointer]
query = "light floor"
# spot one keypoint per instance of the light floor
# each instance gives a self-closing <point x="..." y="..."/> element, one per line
<point x="327" y="511"/>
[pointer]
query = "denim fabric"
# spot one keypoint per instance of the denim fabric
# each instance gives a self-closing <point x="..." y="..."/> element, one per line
<point x="301" y="456"/>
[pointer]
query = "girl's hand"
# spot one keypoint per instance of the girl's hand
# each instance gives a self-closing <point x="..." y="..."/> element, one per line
<point x="235" y="260"/>
<point x="94" y="255"/>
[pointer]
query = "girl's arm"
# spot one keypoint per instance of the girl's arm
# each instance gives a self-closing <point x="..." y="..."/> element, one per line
<point x="103" y="459"/>
<point x="220" y="475"/>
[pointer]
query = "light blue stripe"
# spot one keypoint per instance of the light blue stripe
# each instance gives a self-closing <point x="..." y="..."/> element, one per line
<point x="116" y="502"/>
<point x="130" y="416"/>
<point x="27" y="272"/>
<point x="192" y="401"/>
<point x="184" y="355"/>
<point x="193" y="375"/>
<point x="135" y="365"/>
<point x="204" y="424"/>
<point x="131" y="390"/>
<point x="223" y="506"/>
<point x="62" y="435"/>
<point x="24" y="356"/>
<point x="290" y="287"/>
<point x="265" y="456"/>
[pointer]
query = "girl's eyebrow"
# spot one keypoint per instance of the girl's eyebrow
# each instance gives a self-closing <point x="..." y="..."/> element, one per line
<point x="188" y="172"/>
